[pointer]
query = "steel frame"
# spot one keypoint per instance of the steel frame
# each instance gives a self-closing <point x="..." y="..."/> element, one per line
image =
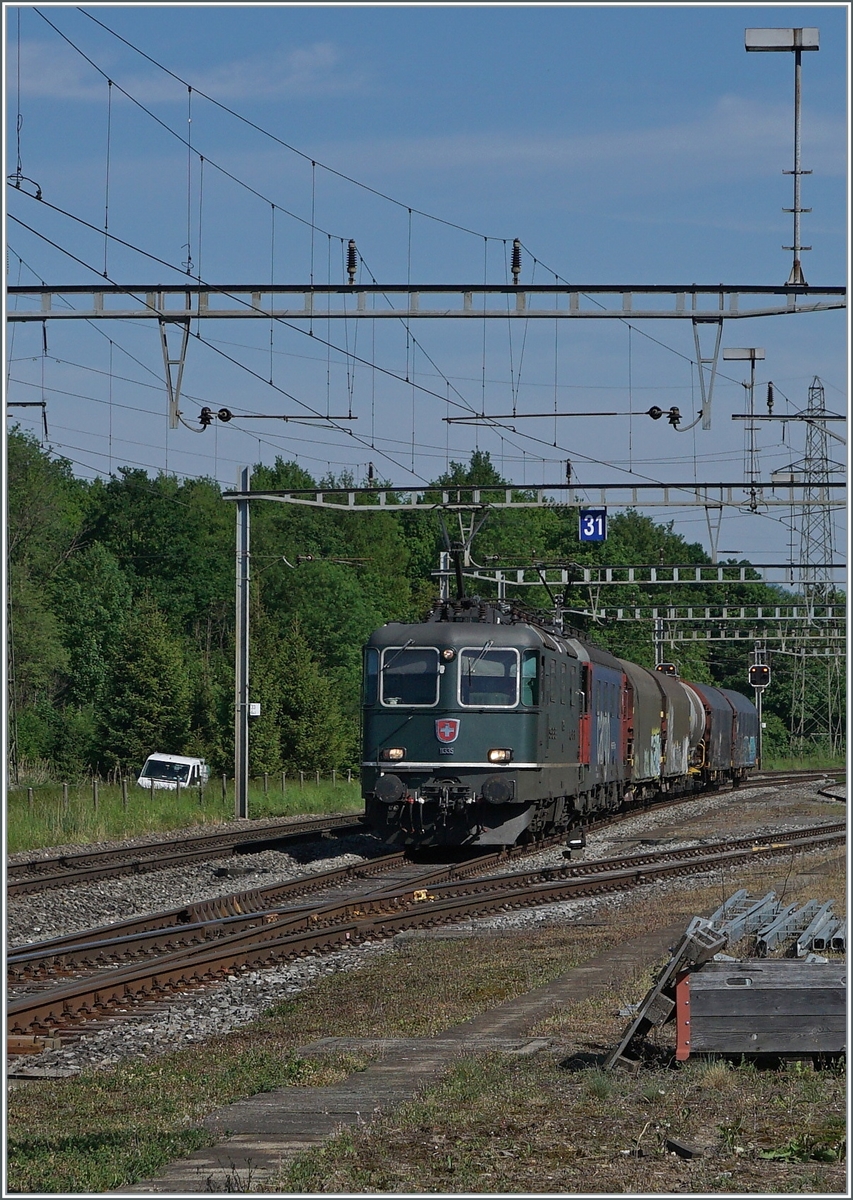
<point x="687" y="301"/>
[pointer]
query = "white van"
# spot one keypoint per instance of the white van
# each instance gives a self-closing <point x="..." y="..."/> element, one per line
<point x="169" y="770"/>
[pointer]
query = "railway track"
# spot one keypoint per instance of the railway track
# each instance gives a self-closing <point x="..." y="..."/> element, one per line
<point x="40" y="874"/>
<point x="191" y="923"/>
<point x="782" y="777"/>
<point x="264" y="937"/>
<point x="37" y="875"/>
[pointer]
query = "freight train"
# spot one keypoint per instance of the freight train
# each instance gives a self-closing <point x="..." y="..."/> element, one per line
<point x="484" y="727"/>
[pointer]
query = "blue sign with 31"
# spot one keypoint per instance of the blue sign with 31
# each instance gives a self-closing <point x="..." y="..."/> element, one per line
<point x="592" y="526"/>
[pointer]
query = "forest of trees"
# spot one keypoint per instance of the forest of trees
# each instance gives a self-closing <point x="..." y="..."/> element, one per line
<point x="121" y="610"/>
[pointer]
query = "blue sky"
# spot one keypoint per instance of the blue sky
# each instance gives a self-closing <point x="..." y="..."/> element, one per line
<point x="622" y="144"/>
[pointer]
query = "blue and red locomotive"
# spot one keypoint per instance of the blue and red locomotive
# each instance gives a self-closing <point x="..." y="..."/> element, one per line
<point x="482" y="727"/>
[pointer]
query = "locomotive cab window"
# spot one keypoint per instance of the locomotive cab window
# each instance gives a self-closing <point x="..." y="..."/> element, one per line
<point x="371" y="675"/>
<point x="410" y="676"/>
<point x="530" y="677"/>
<point x="488" y="678"/>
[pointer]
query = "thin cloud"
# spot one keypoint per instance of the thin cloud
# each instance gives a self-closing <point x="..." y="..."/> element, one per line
<point x="738" y="137"/>
<point x="55" y="72"/>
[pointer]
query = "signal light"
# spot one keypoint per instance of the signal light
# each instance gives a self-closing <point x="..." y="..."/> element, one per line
<point x="394" y="754"/>
<point x="500" y="756"/>
<point x="759" y="675"/>
<point x="667" y="668"/>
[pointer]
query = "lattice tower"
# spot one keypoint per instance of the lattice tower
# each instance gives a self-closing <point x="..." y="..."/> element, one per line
<point x="817" y="699"/>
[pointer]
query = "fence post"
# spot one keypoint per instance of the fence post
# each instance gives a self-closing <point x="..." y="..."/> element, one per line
<point x="29" y="799"/>
<point x="318" y="778"/>
<point x="224" y="787"/>
<point x="334" y="777"/>
<point x="65" y="797"/>
<point x="95" y="794"/>
<point x="283" y="781"/>
<point x="177" y="792"/>
<point x="124" y="794"/>
<point x="266" y="783"/>
<point x="301" y="779"/>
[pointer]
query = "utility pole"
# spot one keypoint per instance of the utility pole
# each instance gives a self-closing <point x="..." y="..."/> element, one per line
<point x="750" y="466"/>
<point x="759" y="657"/>
<point x="657" y="638"/>
<point x="241" y="672"/>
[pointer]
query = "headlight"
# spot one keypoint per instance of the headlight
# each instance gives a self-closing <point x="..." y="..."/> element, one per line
<point x="500" y="756"/>
<point x="448" y="655"/>
<point x="393" y="755"/>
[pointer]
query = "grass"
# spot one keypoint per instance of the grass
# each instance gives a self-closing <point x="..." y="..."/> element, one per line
<point x="45" y="820"/>
<point x="818" y="761"/>
<point x="501" y="1125"/>
<point x="114" y="1126"/>
<point x="531" y="1126"/>
<point x="552" y="1123"/>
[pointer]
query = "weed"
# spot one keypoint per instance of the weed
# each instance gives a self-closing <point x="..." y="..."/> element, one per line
<point x="807" y="1148"/>
<point x="716" y="1075"/>
<point x="651" y="1093"/>
<point x="599" y="1084"/>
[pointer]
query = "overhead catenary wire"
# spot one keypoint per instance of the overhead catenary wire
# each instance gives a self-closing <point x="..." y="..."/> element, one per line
<point x="313" y="226"/>
<point x="164" y="125"/>
<point x="301" y="154"/>
<point x="279" y="141"/>
<point x="529" y="437"/>
<point x="107" y="172"/>
<point x="497" y="425"/>
<point x="236" y="362"/>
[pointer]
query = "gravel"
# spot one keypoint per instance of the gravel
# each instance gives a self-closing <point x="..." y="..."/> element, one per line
<point x="219" y="1008"/>
<point x="57" y="912"/>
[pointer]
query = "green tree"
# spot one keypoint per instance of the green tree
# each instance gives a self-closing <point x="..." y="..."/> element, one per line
<point x="313" y="734"/>
<point x="91" y="597"/>
<point x="147" y="702"/>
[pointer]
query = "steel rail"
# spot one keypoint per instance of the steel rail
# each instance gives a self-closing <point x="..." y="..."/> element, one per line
<point x="193" y="923"/>
<point x="257" y="900"/>
<point x="350" y="922"/>
<point x="69" y="869"/>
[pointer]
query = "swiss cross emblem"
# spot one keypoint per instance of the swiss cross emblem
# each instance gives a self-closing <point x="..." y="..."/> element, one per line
<point x="447" y="729"/>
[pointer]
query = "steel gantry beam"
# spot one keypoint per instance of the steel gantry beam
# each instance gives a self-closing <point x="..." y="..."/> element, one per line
<point x="649" y="495"/>
<point x="295" y="302"/>
<point x="825" y="641"/>
<point x="706" y="305"/>
<point x="597" y="576"/>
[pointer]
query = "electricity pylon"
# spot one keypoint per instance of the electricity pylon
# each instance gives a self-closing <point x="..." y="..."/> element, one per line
<point x="817" y="697"/>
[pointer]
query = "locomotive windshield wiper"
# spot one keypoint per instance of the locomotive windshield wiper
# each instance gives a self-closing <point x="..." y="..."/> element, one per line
<point x="486" y="648"/>
<point x="388" y="661"/>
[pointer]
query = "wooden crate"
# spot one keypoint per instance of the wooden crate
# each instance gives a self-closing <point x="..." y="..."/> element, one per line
<point x="762" y="1006"/>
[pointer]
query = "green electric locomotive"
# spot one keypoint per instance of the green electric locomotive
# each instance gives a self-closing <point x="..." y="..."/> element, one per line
<point x="483" y="727"/>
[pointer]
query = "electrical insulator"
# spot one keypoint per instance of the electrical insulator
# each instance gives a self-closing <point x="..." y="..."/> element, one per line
<point x="516" y="260"/>
<point x="770" y="397"/>
<point x="205" y="417"/>
<point x="673" y="416"/>
<point x="370" y="475"/>
<point x="352" y="261"/>
<point x="655" y="413"/>
<point x="224" y="414"/>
